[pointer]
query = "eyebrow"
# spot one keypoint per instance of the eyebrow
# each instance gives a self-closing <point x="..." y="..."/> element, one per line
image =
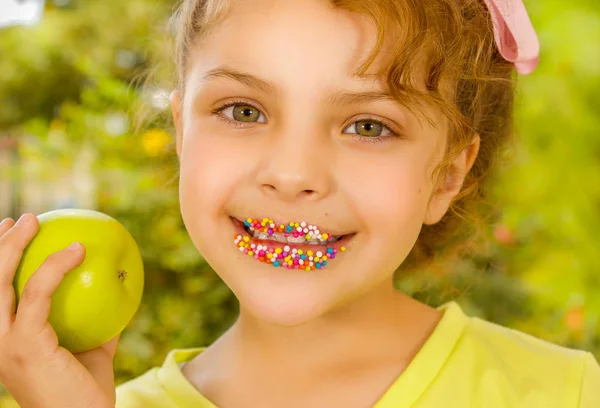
<point x="357" y="98"/>
<point x="245" y="78"/>
<point x="337" y="98"/>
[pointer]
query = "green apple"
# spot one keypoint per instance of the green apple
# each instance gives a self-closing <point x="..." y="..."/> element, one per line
<point x="96" y="300"/>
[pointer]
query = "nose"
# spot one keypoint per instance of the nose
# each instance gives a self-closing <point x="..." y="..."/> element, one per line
<point x="295" y="167"/>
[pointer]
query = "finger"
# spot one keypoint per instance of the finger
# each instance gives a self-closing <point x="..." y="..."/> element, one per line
<point x="5" y="225"/>
<point x="7" y="308"/>
<point x="7" y="294"/>
<point x="12" y="245"/>
<point x="34" y="305"/>
<point x="14" y="237"/>
<point x="99" y="362"/>
<point x="111" y="346"/>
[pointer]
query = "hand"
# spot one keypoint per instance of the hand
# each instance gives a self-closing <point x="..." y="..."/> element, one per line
<point x="35" y="370"/>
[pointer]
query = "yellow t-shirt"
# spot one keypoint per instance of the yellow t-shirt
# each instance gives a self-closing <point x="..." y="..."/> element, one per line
<point x="466" y="362"/>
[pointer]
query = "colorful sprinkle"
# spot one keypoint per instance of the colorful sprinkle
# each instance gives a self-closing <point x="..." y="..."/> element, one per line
<point x="291" y="258"/>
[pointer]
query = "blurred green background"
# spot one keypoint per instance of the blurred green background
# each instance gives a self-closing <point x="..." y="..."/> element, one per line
<point x="72" y="93"/>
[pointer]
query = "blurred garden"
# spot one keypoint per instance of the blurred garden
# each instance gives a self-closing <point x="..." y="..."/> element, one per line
<point x="81" y="125"/>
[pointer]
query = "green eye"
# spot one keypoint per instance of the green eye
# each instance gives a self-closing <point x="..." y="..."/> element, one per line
<point x="368" y="128"/>
<point x="245" y="113"/>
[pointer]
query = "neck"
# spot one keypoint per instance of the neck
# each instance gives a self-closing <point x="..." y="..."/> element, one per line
<point x="383" y="327"/>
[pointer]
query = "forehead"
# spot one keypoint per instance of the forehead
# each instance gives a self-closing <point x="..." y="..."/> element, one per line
<point x="309" y="38"/>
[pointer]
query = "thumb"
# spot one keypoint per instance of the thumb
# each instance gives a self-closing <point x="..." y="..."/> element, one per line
<point x="111" y="346"/>
<point x="99" y="362"/>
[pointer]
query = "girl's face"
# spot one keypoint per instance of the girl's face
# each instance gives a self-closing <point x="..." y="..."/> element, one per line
<point x="304" y="141"/>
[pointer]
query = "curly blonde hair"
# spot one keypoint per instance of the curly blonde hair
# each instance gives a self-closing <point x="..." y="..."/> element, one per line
<point x="466" y="79"/>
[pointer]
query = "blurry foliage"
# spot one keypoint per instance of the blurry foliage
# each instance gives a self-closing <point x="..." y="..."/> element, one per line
<point x="75" y="80"/>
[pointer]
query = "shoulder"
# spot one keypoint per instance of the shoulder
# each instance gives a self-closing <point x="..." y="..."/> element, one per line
<point x="163" y="386"/>
<point x="144" y="390"/>
<point x="590" y="383"/>
<point x="528" y="367"/>
<point x="509" y="345"/>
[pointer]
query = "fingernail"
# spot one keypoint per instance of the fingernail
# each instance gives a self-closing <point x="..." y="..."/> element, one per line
<point x="24" y="219"/>
<point x="74" y="246"/>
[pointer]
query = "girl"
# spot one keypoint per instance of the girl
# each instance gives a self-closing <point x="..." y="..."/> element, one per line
<point x="321" y="142"/>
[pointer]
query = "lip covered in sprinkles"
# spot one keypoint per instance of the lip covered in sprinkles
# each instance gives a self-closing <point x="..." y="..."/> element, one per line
<point x="287" y="257"/>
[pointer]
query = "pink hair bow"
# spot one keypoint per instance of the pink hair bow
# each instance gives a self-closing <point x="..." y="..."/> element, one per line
<point x="514" y="34"/>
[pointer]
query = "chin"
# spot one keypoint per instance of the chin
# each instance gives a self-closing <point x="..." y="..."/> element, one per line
<point x="282" y="300"/>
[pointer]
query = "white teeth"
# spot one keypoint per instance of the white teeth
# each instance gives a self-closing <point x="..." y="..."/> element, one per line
<point x="298" y="240"/>
<point x="280" y="237"/>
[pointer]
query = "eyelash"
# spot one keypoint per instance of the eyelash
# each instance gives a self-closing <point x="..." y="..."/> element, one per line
<point x="240" y="125"/>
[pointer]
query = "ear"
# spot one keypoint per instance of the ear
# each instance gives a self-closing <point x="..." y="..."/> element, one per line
<point x="175" y="99"/>
<point x="444" y="194"/>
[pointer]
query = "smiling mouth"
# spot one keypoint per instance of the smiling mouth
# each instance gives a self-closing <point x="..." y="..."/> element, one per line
<point x="295" y="245"/>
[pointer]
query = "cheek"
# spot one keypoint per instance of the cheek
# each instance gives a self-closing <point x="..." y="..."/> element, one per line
<point x="210" y="170"/>
<point x="391" y="194"/>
